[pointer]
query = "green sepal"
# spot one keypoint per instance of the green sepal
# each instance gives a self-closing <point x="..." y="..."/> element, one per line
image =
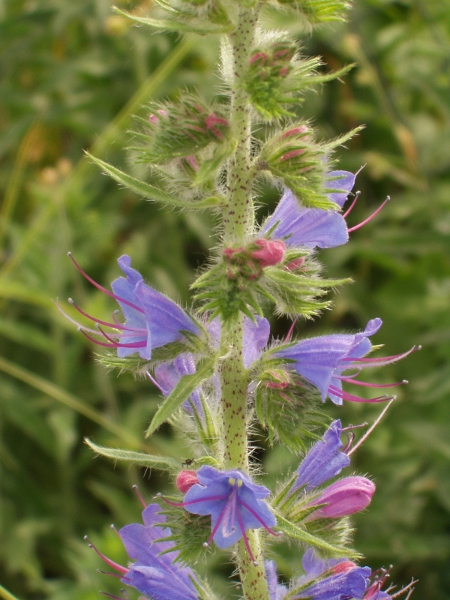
<point x="164" y="463"/>
<point x="299" y="534"/>
<point x="177" y="24"/>
<point x="180" y="393"/>
<point x="149" y="191"/>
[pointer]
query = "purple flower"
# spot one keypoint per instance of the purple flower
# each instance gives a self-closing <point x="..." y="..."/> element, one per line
<point x="155" y="571"/>
<point x="324" y="461"/>
<point x="323" y="361"/>
<point x="299" y="226"/>
<point x="234" y="502"/>
<point x="344" y="497"/>
<point x="151" y="319"/>
<point x="334" y="579"/>
<point x="276" y="591"/>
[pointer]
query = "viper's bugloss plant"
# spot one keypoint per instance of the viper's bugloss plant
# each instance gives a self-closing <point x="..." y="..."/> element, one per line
<point x="219" y="370"/>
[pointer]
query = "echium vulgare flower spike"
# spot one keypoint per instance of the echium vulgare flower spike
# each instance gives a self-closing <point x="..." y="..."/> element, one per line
<point x="155" y="571"/>
<point x="324" y="461"/>
<point x="151" y="319"/>
<point x="234" y="502"/>
<point x="297" y="225"/>
<point x="324" y="360"/>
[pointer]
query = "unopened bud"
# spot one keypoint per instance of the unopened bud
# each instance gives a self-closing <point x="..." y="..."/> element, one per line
<point x="185" y="480"/>
<point x="270" y="252"/>
<point x="344" y="497"/>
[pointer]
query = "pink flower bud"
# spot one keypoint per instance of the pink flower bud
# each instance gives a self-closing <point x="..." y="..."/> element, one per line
<point x="154" y="119"/>
<point x="344" y="497"/>
<point x="295" y="264"/>
<point x="271" y="252"/>
<point x="343" y="567"/>
<point x="185" y="480"/>
<point x="300" y="130"/>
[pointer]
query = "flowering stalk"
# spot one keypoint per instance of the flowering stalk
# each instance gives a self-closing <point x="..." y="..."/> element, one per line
<point x="213" y="366"/>
<point x="237" y="221"/>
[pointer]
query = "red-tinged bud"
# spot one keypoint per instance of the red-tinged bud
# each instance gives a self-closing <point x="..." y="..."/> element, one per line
<point x="211" y="123"/>
<point x="154" y="119"/>
<point x="260" y="57"/>
<point x="343" y="567"/>
<point x="295" y="264"/>
<point x="301" y="131"/>
<point x="185" y="480"/>
<point x="344" y="497"/>
<point x="277" y="380"/>
<point x="269" y="253"/>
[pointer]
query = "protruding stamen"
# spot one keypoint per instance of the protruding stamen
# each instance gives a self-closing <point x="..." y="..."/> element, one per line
<point x="374" y="214"/>
<point x="107" y="560"/>
<point x="372" y="385"/>
<point x="350" y="208"/>
<point x="101" y="288"/>
<point x="113" y="527"/>
<point x="351" y="398"/>
<point x="138" y="494"/>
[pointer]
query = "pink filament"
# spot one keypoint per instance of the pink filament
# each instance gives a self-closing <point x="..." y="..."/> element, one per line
<point x="374" y="214"/>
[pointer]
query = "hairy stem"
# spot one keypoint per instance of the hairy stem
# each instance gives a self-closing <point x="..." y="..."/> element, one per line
<point x="237" y="222"/>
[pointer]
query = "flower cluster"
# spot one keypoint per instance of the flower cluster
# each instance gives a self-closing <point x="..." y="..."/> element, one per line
<point x="218" y="368"/>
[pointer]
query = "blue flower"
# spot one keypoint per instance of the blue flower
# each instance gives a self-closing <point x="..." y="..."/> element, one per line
<point x="155" y="571"/>
<point x="310" y="227"/>
<point x="334" y="579"/>
<point x="324" y="461"/>
<point x="151" y="319"/>
<point x="323" y="361"/>
<point x="234" y="502"/>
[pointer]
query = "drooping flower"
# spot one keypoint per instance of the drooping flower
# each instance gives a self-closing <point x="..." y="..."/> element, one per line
<point x="344" y="497"/>
<point x="234" y="502"/>
<point x="324" y="360"/>
<point x="324" y="461"/>
<point x="155" y="571"/>
<point x="151" y="319"/>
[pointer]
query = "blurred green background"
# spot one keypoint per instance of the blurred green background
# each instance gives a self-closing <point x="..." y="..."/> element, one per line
<point x="72" y="74"/>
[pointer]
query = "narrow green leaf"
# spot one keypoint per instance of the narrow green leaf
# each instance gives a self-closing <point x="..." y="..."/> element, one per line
<point x="180" y="393"/>
<point x="150" y="191"/>
<point x="140" y="187"/>
<point x="137" y="458"/>
<point x="174" y="25"/>
<point x="303" y="536"/>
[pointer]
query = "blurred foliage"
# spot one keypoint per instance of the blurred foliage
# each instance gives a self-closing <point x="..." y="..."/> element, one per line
<point x="72" y="74"/>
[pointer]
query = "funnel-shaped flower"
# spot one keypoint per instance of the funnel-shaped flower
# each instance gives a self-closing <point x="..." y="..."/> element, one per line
<point x="155" y="571"/>
<point x="296" y="225"/>
<point x="336" y="579"/>
<point x="324" y="461"/>
<point x="151" y="319"/>
<point x="323" y="361"/>
<point x="234" y="502"/>
<point x="344" y="497"/>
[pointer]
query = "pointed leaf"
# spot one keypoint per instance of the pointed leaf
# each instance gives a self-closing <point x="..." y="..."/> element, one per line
<point x="140" y="187"/>
<point x="137" y="458"/>
<point x="180" y="393"/>
<point x="174" y="25"/>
